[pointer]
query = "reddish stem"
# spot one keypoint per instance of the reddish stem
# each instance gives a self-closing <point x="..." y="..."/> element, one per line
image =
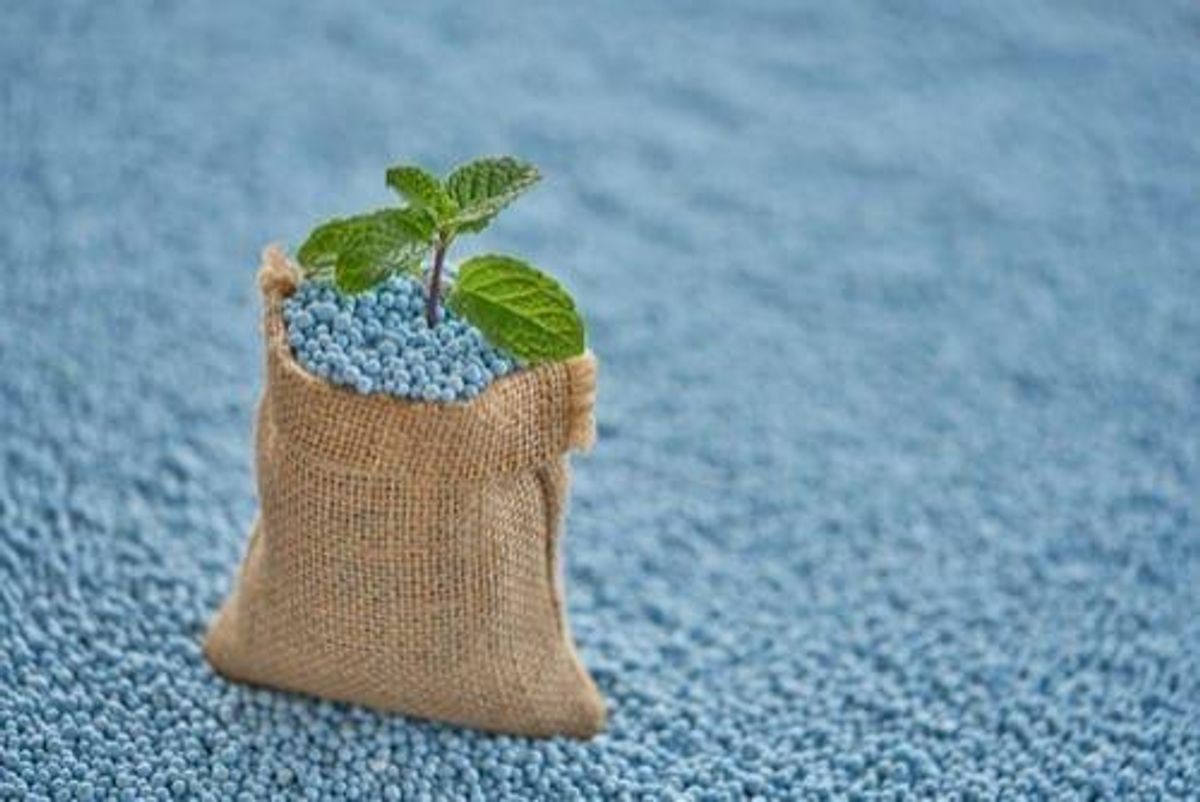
<point x="435" y="285"/>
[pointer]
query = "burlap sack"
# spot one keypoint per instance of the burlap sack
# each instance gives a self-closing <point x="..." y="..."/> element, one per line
<point x="406" y="555"/>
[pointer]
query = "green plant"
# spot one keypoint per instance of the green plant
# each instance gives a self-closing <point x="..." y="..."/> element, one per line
<point x="513" y="303"/>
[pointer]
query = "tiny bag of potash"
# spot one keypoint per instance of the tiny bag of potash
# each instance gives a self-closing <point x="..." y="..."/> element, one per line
<point x="406" y="555"/>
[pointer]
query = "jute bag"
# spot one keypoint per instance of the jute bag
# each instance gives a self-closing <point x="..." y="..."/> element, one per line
<point x="406" y="555"/>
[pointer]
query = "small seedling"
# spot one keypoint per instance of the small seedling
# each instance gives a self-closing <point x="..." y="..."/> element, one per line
<point x="514" y="304"/>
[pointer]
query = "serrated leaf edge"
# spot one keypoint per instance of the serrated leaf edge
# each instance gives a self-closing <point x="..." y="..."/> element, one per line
<point x="568" y="311"/>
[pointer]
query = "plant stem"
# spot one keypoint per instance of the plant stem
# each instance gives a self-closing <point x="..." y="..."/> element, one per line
<point x="435" y="283"/>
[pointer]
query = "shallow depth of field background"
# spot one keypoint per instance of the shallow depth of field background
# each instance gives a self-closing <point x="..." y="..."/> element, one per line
<point x="898" y="311"/>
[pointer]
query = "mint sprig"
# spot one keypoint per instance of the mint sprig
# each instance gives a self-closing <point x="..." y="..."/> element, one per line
<point x="515" y="305"/>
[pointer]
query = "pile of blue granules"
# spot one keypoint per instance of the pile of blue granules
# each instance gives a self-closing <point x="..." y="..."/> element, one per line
<point x="380" y="342"/>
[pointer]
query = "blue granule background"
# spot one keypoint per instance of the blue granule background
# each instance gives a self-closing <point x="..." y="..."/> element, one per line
<point x="897" y="494"/>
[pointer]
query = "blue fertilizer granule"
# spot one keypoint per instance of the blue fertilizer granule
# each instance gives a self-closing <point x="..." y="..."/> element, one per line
<point x="380" y="342"/>
<point x="895" y="490"/>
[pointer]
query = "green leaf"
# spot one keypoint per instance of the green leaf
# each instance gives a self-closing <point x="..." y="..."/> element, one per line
<point x="391" y="240"/>
<point x="359" y="269"/>
<point x="319" y="252"/>
<point x="482" y="188"/>
<point x="422" y="190"/>
<point x="518" y="307"/>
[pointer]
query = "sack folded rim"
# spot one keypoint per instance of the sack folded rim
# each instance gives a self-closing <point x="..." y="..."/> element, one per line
<point x="491" y="434"/>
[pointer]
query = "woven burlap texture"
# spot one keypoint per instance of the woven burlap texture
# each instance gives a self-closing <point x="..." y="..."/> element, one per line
<point x="405" y="556"/>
